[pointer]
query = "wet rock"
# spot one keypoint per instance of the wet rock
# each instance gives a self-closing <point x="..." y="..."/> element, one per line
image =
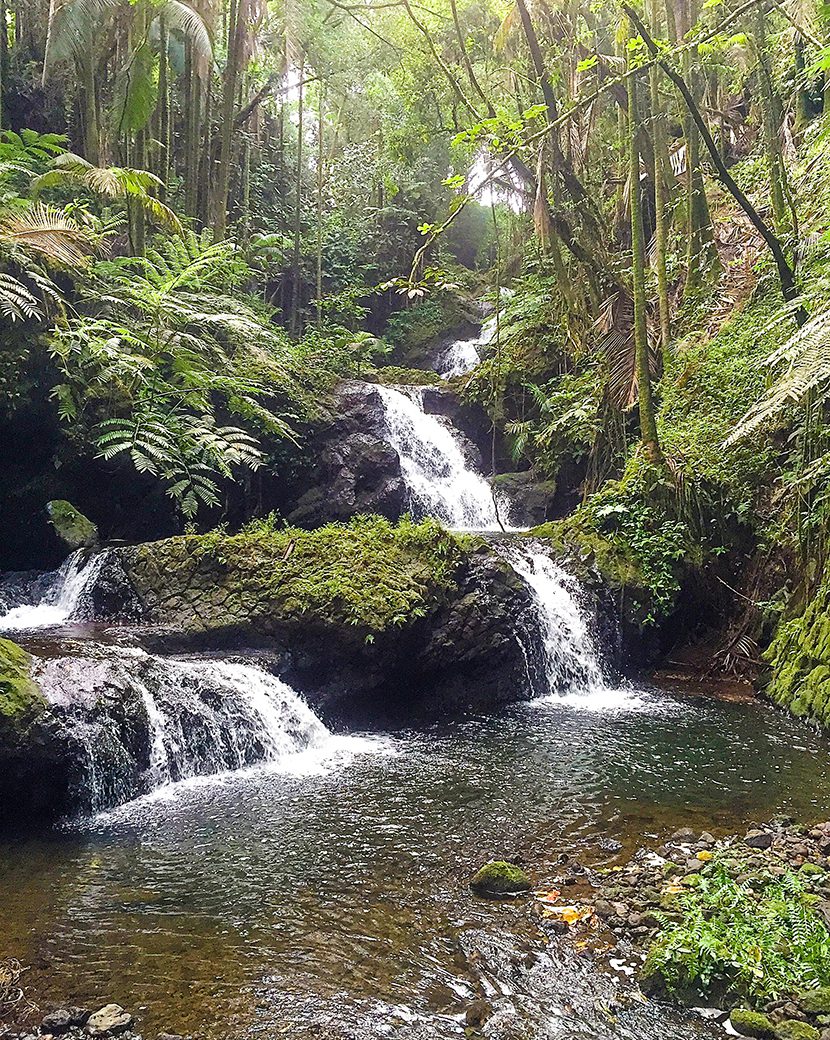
<point x="500" y="878"/>
<point x="169" y="1036"/>
<point x="57" y="1022"/>
<point x="706" y="839"/>
<point x="751" y="1023"/>
<point x="110" y="1020"/>
<point x="758" y="839"/>
<point x="684" y="834"/>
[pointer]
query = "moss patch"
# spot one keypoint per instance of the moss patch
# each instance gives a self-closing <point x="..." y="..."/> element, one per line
<point x="793" y="1029"/>
<point x="799" y="656"/>
<point x="500" y="878"/>
<point x="368" y="573"/>
<point x="71" y="526"/>
<point x="20" y="698"/>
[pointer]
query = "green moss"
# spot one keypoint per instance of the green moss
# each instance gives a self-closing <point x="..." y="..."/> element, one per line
<point x="367" y="573"/>
<point x="816" y="1001"/>
<point x="792" y="1029"/>
<point x="20" y="697"/>
<point x="71" y="526"/>
<point x="751" y="1023"/>
<point x="499" y="878"/>
<point x="799" y="657"/>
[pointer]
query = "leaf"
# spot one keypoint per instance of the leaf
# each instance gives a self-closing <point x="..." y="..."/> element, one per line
<point x="568" y="914"/>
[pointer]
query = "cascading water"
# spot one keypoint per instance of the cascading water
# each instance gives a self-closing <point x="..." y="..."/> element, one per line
<point x="62" y="598"/>
<point x="440" y="481"/>
<point x="463" y="355"/>
<point x="142" y="722"/>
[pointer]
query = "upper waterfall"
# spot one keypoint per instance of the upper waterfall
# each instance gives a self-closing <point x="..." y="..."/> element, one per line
<point x="462" y="355"/>
<point x="441" y="483"/>
<point x="62" y="597"/>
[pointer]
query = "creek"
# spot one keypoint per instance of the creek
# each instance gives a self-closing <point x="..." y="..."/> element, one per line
<point x="265" y="875"/>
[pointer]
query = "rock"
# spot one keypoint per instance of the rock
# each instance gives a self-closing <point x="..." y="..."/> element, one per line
<point x="57" y="1022"/>
<point x="71" y="526"/>
<point x="684" y="835"/>
<point x="706" y="839"/>
<point x="169" y="1036"/>
<point x="812" y="870"/>
<point x="500" y="878"/>
<point x="794" y="1029"/>
<point x="815" y="1001"/>
<point x="758" y="839"/>
<point x="751" y="1023"/>
<point x="109" y="1020"/>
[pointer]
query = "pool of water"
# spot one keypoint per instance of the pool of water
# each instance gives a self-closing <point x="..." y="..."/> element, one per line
<point x="334" y="902"/>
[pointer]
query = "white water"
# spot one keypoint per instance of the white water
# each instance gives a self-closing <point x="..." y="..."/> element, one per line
<point x="61" y="601"/>
<point x="441" y="484"/>
<point x="161" y="723"/>
<point x="571" y="661"/>
<point x="463" y="355"/>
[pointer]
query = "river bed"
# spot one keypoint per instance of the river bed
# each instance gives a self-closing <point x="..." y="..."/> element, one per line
<point x="328" y="896"/>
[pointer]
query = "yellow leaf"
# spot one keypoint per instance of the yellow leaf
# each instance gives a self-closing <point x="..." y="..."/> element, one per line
<point x="568" y="914"/>
<point x="705" y="856"/>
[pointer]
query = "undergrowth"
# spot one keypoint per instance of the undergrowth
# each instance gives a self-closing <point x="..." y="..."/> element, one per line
<point x="754" y="939"/>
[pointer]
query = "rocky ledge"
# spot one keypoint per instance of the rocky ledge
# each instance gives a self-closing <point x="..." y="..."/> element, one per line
<point x="370" y="620"/>
<point x="74" y="1023"/>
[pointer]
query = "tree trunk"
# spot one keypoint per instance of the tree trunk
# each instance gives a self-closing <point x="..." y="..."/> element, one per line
<point x="163" y="106"/>
<point x="771" y="125"/>
<point x="662" y="164"/>
<point x="320" y="127"/>
<point x="237" y="17"/>
<point x="296" y="325"/>
<point x="648" y="423"/>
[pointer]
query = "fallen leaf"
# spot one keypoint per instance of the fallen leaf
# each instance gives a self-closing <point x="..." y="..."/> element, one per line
<point x="704" y="856"/>
<point x="568" y="914"/>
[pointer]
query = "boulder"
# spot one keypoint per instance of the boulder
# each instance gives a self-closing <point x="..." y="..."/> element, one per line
<point x="57" y="1022"/>
<point x="109" y="1020"/>
<point x="530" y="502"/>
<point x="71" y="526"/>
<point x="751" y="1023"/>
<point x="758" y="839"/>
<point x="795" y="1029"/>
<point x="500" y="878"/>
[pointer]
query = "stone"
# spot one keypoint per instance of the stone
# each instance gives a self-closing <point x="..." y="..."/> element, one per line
<point x="815" y="1001"/>
<point x="109" y="1020"/>
<point x="706" y="838"/>
<point x="758" y="839"/>
<point x="684" y="834"/>
<point x="751" y="1023"/>
<point x="71" y="526"/>
<point x="794" y="1029"/>
<point x="57" y="1022"/>
<point x="500" y="878"/>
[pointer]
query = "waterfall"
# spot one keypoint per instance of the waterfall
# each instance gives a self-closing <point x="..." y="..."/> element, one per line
<point x="141" y="723"/>
<point x="441" y="483"/>
<point x="462" y="356"/>
<point x="560" y="637"/>
<point x="62" y="599"/>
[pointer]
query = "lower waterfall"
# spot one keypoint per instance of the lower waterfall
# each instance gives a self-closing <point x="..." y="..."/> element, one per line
<point x="142" y="722"/>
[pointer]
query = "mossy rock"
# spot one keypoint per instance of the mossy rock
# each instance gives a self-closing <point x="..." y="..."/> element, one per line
<point x="71" y="526"/>
<point x="500" y="878"/>
<point x="751" y="1023"/>
<point x="20" y="698"/>
<point x="815" y="1001"/>
<point x="814" y="870"/>
<point x="793" y="1029"/>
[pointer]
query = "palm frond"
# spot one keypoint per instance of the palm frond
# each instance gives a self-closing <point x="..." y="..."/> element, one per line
<point x="48" y="231"/>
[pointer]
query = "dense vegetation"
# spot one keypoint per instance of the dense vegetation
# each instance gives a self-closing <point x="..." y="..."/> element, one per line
<point x="211" y="213"/>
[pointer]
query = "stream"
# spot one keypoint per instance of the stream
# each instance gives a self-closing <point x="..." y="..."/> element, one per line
<point x="267" y="876"/>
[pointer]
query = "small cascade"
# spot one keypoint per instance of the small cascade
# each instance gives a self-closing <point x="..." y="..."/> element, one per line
<point x="462" y="356"/>
<point x="141" y="722"/>
<point x="440" y="481"/>
<point x="60" y="599"/>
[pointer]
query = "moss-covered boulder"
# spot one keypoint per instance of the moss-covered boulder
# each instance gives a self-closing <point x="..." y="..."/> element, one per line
<point x="500" y="878"/>
<point x="372" y="620"/>
<point x="20" y="698"/>
<point x="71" y="526"/>
<point x="794" y="1029"/>
<point x="751" y="1023"/>
<point x="816" y="1001"/>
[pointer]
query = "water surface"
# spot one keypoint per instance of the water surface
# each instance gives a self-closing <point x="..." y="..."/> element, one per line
<point x="334" y="901"/>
